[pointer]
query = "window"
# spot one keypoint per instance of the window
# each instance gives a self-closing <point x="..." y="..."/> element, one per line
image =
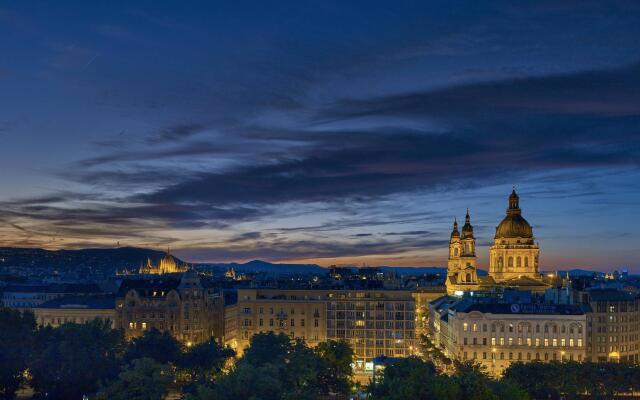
<point x="501" y="341"/>
<point x="570" y="342"/>
<point x="526" y="261"/>
<point x="493" y="341"/>
<point x="555" y="342"/>
<point x="465" y="327"/>
<point x="563" y="342"/>
<point x="302" y="322"/>
<point x="518" y="262"/>
<point x="579" y="342"/>
<point x="260" y="322"/>
<point x="271" y="322"/>
<point x="528" y="341"/>
<point x="293" y="322"/>
<point x="475" y="327"/>
<point x="546" y="342"/>
<point x="510" y="262"/>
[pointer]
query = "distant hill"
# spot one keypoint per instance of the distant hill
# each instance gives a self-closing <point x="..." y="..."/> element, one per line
<point x="265" y="266"/>
<point x="107" y="260"/>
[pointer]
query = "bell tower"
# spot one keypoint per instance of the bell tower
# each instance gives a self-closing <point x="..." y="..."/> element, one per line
<point x="455" y="250"/>
<point x="468" y="273"/>
<point x="461" y="265"/>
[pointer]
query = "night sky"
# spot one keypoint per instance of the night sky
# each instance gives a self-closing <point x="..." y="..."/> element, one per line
<point x="326" y="132"/>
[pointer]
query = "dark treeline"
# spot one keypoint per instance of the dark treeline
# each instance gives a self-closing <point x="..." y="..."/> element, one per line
<point x="92" y="359"/>
<point x="413" y="378"/>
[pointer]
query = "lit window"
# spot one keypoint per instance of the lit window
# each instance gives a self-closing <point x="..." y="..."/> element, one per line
<point x="546" y="342"/>
<point x="144" y="325"/>
<point x="570" y="342"/>
<point x="579" y="342"/>
<point x="555" y="342"/>
<point x="529" y="341"/>
<point x="465" y="327"/>
<point x="563" y="342"/>
<point x="493" y="341"/>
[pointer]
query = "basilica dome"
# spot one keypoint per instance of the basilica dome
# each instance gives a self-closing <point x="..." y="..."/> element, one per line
<point x="514" y="225"/>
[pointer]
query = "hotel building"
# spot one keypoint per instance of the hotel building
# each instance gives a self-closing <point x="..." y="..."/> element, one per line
<point x="497" y="334"/>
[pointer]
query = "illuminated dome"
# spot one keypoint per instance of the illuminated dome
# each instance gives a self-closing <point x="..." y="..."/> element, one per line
<point x="514" y="225"/>
<point x="168" y="264"/>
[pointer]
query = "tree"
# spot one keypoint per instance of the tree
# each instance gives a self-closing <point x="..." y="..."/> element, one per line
<point x="336" y="372"/>
<point x="412" y="378"/>
<point x="143" y="379"/>
<point x="160" y="346"/>
<point x="16" y="335"/>
<point x="276" y="367"/>
<point x="71" y="361"/>
<point x="203" y="362"/>
<point x="267" y="348"/>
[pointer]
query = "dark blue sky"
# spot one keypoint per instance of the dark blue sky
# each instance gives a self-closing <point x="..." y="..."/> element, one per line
<point x="330" y="132"/>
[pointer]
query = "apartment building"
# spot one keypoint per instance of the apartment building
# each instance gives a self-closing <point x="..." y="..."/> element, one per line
<point x="373" y="322"/>
<point x="613" y="325"/>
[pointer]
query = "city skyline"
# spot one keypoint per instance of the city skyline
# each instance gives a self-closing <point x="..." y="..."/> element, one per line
<point x="328" y="134"/>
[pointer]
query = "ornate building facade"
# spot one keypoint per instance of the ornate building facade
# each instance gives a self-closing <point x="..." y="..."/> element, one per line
<point x="186" y="307"/>
<point x="514" y="253"/>
<point x="513" y="257"/>
<point x="167" y="265"/>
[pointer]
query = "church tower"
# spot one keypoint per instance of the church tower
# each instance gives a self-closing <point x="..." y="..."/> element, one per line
<point x="468" y="256"/>
<point x="461" y="266"/>
<point x="455" y="249"/>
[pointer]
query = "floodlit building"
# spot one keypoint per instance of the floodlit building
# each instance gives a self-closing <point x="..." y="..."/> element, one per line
<point x="496" y="334"/>
<point x="184" y="306"/>
<point x="373" y="322"/>
<point x="613" y="332"/>
<point x="168" y="265"/>
<point x="513" y="257"/>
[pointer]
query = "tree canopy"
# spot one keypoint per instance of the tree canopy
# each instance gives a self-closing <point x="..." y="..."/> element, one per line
<point x="17" y="332"/>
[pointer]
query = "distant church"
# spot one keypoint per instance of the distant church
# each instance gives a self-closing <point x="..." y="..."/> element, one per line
<point x="513" y="257"/>
<point x="167" y="265"/>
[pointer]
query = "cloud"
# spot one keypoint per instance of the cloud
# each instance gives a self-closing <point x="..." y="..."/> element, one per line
<point x="177" y="132"/>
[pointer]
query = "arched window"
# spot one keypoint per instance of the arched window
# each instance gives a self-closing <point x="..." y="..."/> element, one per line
<point x="510" y="264"/>
<point x="500" y="262"/>
<point x="518" y="261"/>
<point x="526" y="261"/>
<point x="455" y="251"/>
<point x="468" y="277"/>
